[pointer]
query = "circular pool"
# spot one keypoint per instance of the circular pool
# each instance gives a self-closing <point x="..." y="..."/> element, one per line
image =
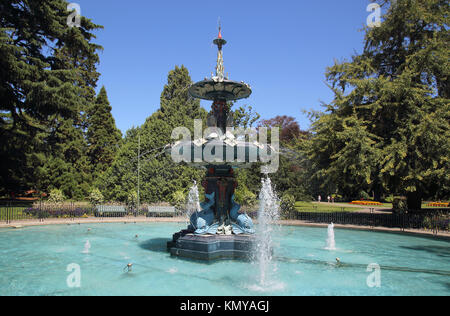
<point x="92" y="260"/>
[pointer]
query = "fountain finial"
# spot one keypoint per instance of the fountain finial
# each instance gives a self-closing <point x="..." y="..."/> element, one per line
<point x="220" y="30"/>
<point x="219" y="87"/>
<point x="220" y="69"/>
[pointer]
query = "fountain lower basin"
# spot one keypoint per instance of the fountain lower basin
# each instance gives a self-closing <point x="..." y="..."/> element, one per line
<point x="212" y="247"/>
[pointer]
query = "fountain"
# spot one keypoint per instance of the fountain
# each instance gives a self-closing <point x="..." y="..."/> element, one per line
<point x="87" y="246"/>
<point x="193" y="204"/>
<point x="268" y="214"/>
<point x="217" y="228"/>
<point x="331" y="244"/>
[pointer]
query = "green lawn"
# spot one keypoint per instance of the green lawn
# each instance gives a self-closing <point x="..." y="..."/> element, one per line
<point x="323" y="208"/>
<point x="424" y="205"/>
<point x="386" y="205"/>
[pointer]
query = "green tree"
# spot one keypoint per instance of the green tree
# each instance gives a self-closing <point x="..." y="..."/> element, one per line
<point x="46" y="68"/>
<point x="291" y="175"/>
<point x="102" y="134"/>
<point x="245" y="197"/>
<point x="66" y="165"/>
<point x="160" y="177"/>
<point x="387" y="129"/>
<point x="245" y="117"/>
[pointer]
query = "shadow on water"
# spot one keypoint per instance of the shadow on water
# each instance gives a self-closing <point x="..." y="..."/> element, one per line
<point x="155" y="245"/>
<point x="441" y="251"/>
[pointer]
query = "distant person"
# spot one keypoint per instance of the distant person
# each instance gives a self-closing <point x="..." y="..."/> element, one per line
<point x="329" y="199"/>
<point x="319" y="198"/>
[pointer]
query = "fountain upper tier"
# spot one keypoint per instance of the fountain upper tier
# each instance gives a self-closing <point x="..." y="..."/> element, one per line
<point x="215" y="89"/>
<point x="221" y="148"/>
<point x="219" y="87"/>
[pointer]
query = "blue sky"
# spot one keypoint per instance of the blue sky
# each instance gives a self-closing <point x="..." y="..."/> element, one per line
<point x="281" y="48"/>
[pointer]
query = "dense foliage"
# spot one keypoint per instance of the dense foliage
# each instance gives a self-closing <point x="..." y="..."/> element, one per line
<point x="387" y="130"/>
<point x="159" y="177"/>
<point x="47" y="81"/>
<point x="385" y="133"/>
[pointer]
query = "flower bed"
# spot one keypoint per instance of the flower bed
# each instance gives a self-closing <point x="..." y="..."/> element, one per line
<point x="56" y="213"/>
<point x="438" y="204"/>
<point x="367" y="203"/>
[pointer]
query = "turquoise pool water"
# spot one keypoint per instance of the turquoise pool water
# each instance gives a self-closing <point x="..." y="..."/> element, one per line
<point x="34" y="260"/>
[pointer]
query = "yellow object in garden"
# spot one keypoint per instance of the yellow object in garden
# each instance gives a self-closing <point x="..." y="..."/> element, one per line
<point x="367" y="203"/>
<point x="438" y="204"/>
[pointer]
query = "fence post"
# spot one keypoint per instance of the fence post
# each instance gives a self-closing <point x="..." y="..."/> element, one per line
<point x="7" y="213"/>
<point x="373" y="218"/>
<point x="436" y="225"/>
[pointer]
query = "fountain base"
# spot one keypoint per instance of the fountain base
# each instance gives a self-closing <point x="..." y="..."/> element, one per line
<point x="211" y="247"/>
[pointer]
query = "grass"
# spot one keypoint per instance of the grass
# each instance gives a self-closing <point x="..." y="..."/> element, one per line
<point x="323" y="208"/>
<point x="424" y="206"/>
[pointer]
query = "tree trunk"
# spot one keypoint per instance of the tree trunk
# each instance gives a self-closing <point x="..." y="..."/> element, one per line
<point x="377" y="191"/>
<point x="414" y="201"/>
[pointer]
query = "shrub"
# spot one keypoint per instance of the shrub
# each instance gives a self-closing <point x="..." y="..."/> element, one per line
<point x="55" y="213"/>
<point x="287" y="205"/>
<point x="399" y="205"/>
<point x="364" y="195"/>
<point x="132" y="200"/>
<point x="56" y="196"/>
<point x="427" y="222"/>
<point x="179" y="200"/>
<point x="96" y="197"/>
<point x="245" y="197"/>
<point x="299" y="195"/>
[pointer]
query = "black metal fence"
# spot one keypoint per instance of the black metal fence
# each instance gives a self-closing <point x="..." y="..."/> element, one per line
<point x="17" y="211"/>
<point x="436" y="222"/>
<point x="13" y="211"/>
<point x="432" y="220"/>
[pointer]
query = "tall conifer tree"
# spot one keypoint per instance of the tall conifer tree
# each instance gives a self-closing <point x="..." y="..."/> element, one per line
<point x="388" y="128"/>
<point x="46" y="81"/>
<point x="160" y="176"/>
<point x="102" y="134"/>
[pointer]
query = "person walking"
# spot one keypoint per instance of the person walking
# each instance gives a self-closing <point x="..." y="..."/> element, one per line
<point x="329" y="199"/>
<point x="319" y="198"/>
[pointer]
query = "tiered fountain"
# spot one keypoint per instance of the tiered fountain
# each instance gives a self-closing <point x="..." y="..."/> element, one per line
<point x="218" y="229"/>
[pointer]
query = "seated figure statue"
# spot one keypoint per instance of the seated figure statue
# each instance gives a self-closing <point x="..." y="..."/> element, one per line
<point x="241" y="223"/>
<point x="202" y="223"/>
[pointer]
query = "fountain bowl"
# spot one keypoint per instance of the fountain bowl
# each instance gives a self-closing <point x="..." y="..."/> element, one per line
<point x="211" y="247"/>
